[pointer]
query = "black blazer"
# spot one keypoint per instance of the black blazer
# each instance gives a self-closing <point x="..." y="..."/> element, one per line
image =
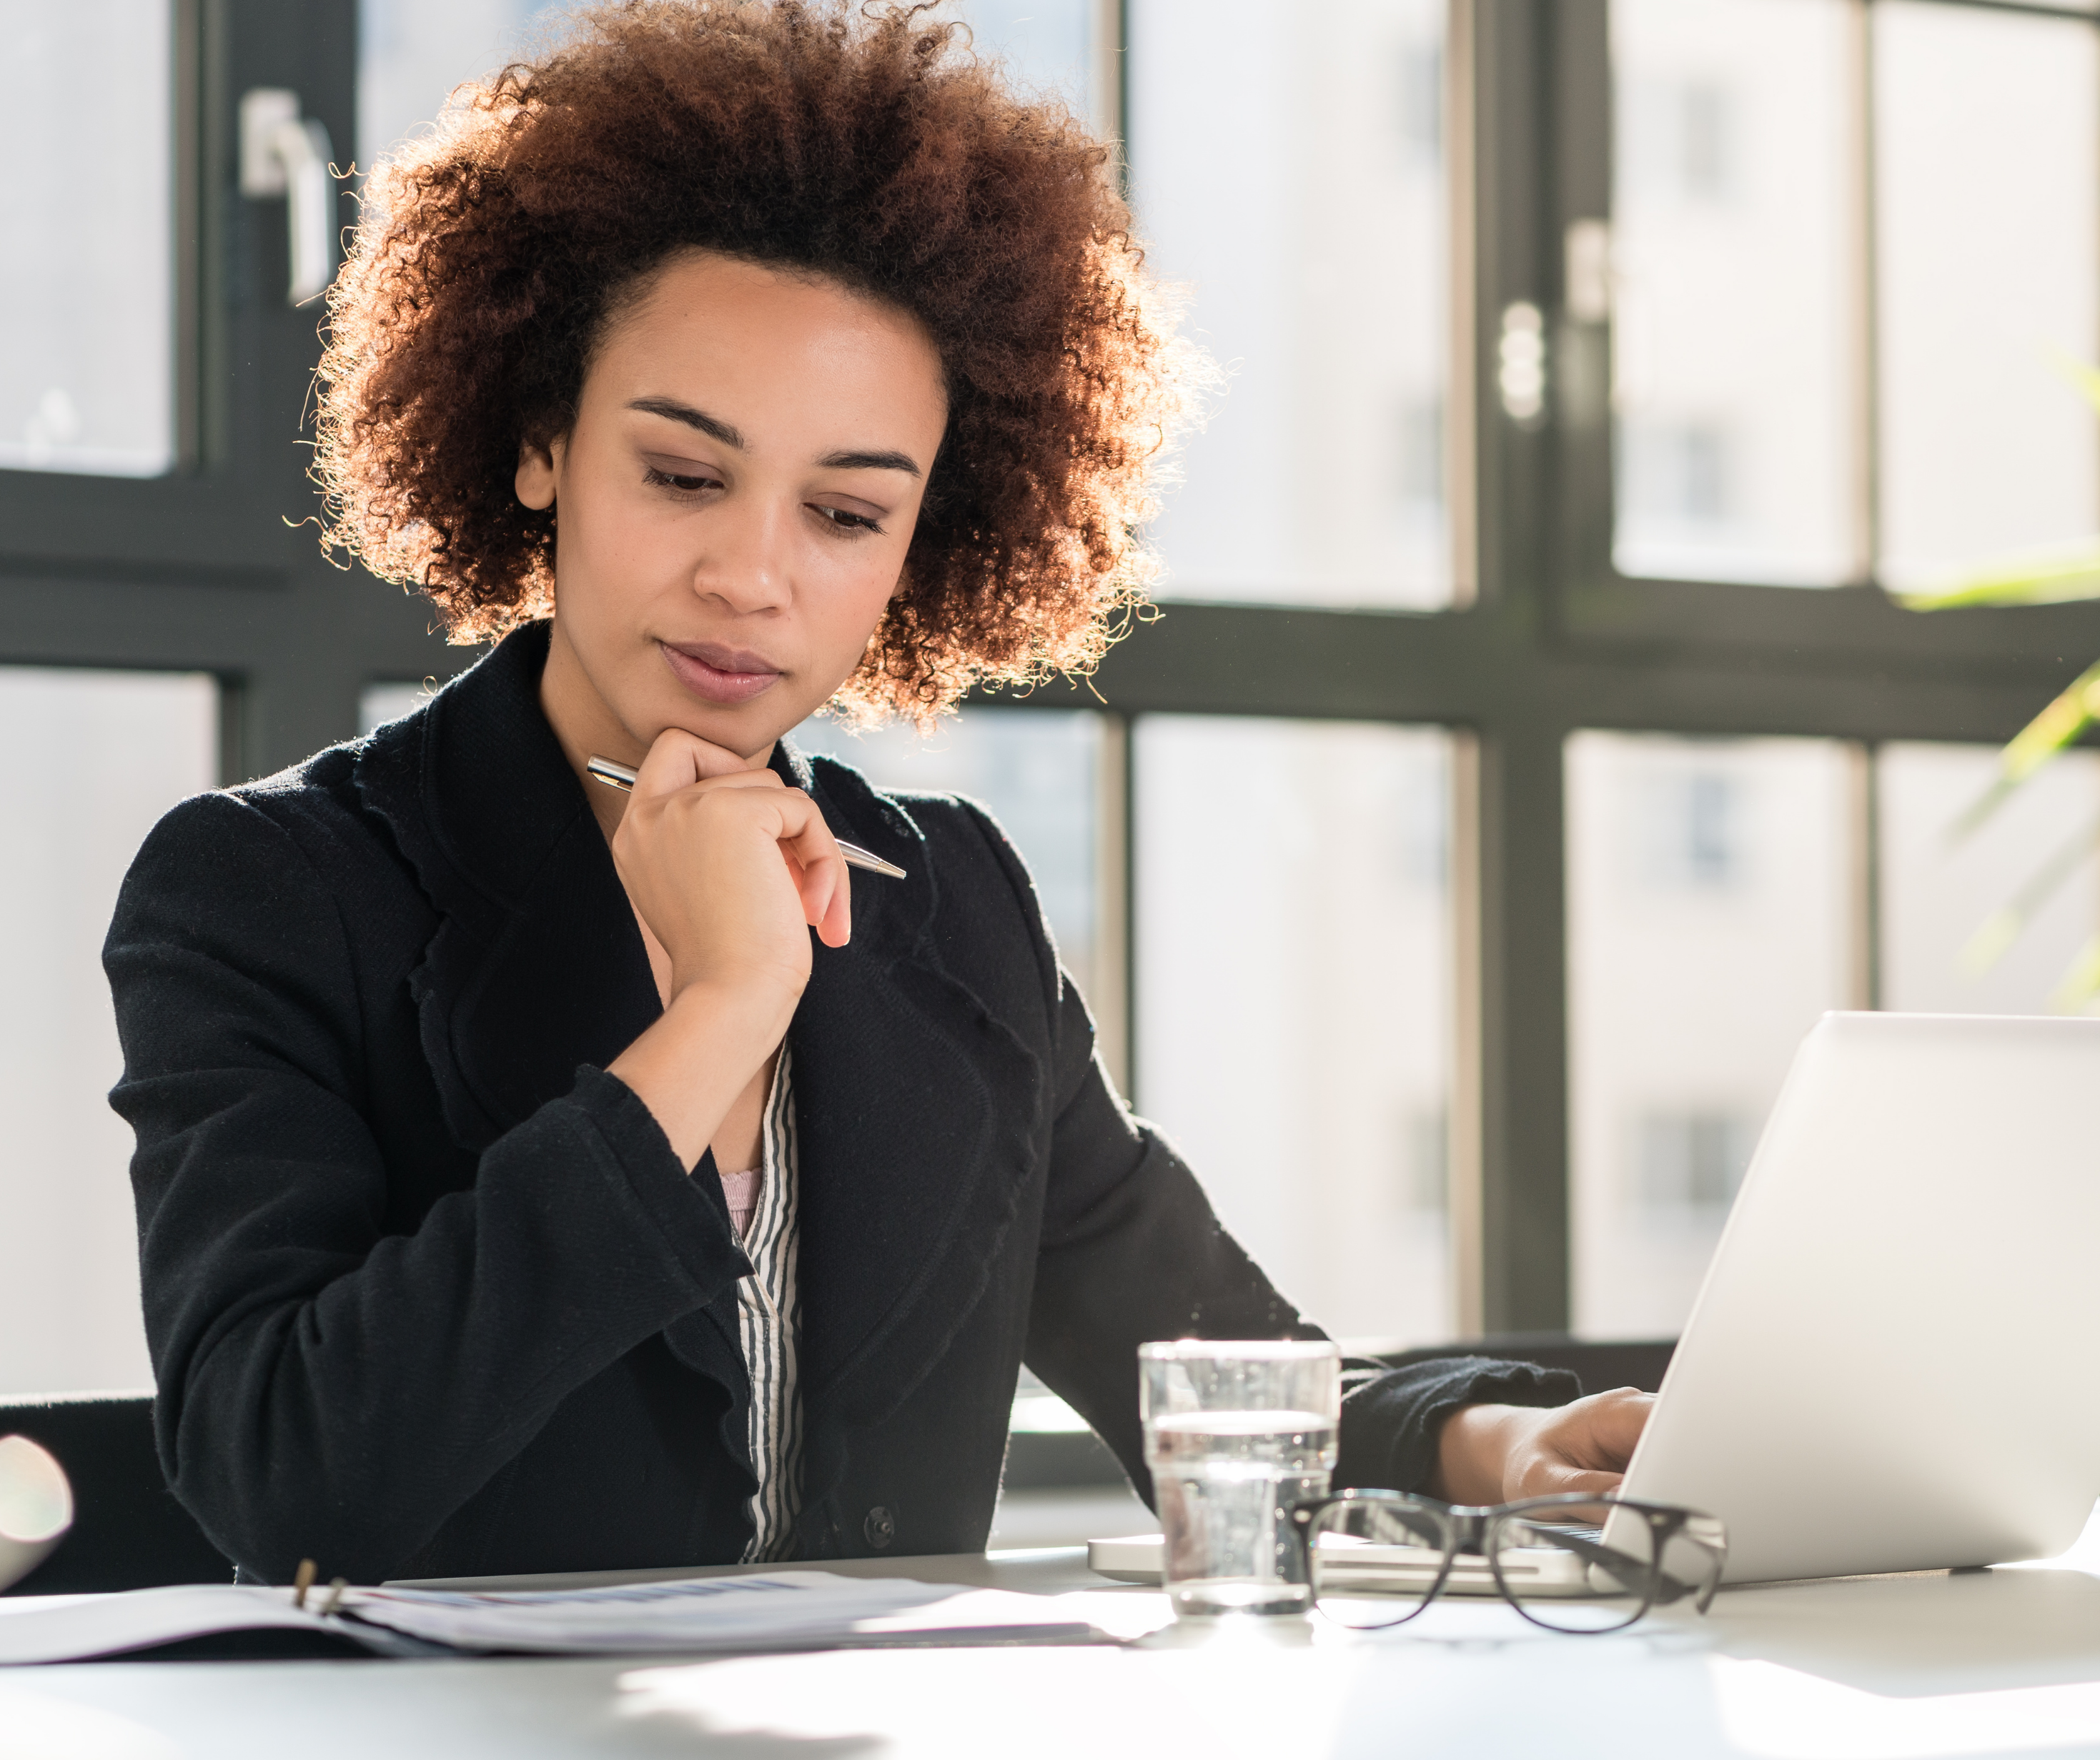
<point x="428" y="1292"/>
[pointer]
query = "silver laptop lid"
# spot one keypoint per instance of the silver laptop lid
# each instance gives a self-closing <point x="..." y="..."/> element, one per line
<point x="1894" y="1363"/>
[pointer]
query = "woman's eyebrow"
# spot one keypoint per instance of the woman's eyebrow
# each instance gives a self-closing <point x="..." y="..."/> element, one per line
<point x="897" y="461"/>
<point x="672" y="409"/>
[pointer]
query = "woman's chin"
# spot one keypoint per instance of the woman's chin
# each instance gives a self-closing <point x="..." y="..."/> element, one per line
<point x="749" y="733"/>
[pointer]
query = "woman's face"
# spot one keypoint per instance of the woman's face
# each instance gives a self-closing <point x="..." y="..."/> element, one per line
<point x="733" y="505"/>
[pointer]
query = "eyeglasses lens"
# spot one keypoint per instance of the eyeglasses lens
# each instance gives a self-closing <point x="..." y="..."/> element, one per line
<point x="1374" y="1561"/>
<point x="1577" y="1568"/>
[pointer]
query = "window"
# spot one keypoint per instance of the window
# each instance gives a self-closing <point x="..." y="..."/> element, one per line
<point x="97" y="757"/>
<point x="410" y="57"/>
<point x="1735" y="263"/>
<point x="1993" y="920"/>
<point x="1307" y="216"/>
<point x="87" y="381"/>
<point x="1987" y="246"/>
<point x="1563" y="345"/>
<point x="1294" y="1000"/>
<point x="1689" y="1165"/>
<point x="1710" y="922"/>
<point x="1855" y="243"/>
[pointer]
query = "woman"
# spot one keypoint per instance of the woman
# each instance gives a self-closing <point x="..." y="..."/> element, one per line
<point x="520" y="1190"/>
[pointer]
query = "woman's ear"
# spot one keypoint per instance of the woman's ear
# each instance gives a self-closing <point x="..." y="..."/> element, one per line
<point x="536" y="466"/>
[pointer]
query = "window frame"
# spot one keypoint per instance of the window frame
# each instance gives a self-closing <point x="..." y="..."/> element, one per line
<point x="1555" y="640"/>
<point x="205" y="569"/>
<point x="214" y="567"/>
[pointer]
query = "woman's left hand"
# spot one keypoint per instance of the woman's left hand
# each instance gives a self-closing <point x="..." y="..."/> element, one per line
<point x="1501" y="1453"/>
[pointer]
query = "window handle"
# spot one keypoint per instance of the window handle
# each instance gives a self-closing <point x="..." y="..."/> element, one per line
<point x="1589" y="271"/>
<point x="284" y="154"/>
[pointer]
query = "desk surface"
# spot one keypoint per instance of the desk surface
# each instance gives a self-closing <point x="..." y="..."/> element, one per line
<point x="2000" y="1661"/>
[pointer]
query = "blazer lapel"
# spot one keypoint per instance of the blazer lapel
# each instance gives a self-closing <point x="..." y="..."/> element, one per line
<point x="916" y="1111"/>
<point x="917" y="1117"/>
<point x="537" y="964"/>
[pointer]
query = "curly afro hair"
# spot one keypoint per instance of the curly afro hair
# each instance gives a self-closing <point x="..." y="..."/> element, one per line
<point x="867" y="146"/>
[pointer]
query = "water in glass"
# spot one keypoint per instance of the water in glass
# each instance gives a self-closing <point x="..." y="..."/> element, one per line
<point x="1225" y="1481"/>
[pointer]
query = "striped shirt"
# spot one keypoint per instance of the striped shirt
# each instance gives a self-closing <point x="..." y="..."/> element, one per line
<point x="769" y="1319"/>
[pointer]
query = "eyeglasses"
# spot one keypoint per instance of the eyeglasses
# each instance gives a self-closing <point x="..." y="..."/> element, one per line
<point x="1571" y="1564"/>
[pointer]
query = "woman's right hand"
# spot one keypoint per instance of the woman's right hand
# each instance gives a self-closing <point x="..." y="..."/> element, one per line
<point x="1490" y="1454"/>
<point x="730" y="868"/>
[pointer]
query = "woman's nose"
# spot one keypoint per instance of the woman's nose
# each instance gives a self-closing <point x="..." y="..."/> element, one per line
<point x="746" y="563"/>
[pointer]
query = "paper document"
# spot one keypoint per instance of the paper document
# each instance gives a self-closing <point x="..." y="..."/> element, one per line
<point x="790" y="1609"/>
<point x="66" y="1628"/>
<point x="732" y="1612"/>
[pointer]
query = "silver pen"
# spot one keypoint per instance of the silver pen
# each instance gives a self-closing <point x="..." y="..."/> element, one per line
<point x="619" y="776"/>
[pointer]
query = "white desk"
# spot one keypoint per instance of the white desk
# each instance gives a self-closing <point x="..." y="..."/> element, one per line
<point x="2004" y="1661"/>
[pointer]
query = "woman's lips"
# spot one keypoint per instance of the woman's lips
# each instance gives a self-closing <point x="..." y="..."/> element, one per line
<point x="718" y="675"/>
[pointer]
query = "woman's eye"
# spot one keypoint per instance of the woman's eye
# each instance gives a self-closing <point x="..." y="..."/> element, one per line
<point x="684" y="484"/>
<point x="846" y="521"/>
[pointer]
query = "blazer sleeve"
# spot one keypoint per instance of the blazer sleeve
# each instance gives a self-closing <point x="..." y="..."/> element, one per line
<point x="1131" y="1252"/>
<point x="329" y="1387"/>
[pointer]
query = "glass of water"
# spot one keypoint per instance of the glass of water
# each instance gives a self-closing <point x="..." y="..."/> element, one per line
<point x="1235" y="1432"/>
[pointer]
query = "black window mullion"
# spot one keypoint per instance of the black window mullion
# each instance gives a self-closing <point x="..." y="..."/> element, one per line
<point x="1522" y="149"/>
<point x="1523" y="1015"/>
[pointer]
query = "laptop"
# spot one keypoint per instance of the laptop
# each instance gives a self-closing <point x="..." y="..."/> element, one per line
<point x="1894" y="1363"/>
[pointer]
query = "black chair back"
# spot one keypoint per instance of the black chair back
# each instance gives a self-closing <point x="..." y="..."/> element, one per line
<point x="128" y="1530"/>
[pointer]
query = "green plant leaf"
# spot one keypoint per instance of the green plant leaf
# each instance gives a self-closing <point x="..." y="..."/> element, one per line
<point x="2050" y="577"/>
<point x="2085" y="379"/>
<point x="2047" y="577"/>
<point x="2004" y="925"/>
<point x="2080" y="982"/>
<point x="2068" y="716"/>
